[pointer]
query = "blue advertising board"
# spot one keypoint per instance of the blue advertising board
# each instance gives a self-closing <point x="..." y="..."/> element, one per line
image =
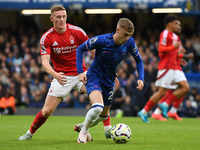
<point x="46" y="4"/>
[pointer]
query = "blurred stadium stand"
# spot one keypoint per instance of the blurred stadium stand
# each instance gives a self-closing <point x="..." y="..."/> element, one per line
<point x="20" y="34"/>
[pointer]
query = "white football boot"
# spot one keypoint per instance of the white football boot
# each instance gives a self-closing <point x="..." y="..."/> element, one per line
<point x="82" y="137"/>
<point x="77" y="128"/>
<point x="27" y="136"/>
<point x="107" y="130"/>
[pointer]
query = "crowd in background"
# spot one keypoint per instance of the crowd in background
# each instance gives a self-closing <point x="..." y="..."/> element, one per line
<point x="22" y="75"/>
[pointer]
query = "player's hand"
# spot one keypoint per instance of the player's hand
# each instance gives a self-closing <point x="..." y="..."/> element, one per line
<point x="177" y="44"/>
<point x="140" y="85"/>
<point x="116" y="82"/>
<point x="181" y="50"/>
<point x="82" y="77"/>
<point x="183" y="62"/>
<point x="60" y="78"/>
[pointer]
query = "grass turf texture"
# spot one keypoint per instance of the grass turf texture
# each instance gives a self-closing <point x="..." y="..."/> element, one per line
<point x="57" y="134"/>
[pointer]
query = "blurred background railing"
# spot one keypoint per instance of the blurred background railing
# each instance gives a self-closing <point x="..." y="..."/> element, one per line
<point x="21" y="72"/>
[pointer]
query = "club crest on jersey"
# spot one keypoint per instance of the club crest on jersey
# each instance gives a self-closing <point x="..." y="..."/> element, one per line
<point x="92" y="40"/>
<point x="43" y="49"/>
<point x="71" y="39"/>
<point x="96" y="85"/>
<point x="123" y="54"/>
<point x="51" y="89"/>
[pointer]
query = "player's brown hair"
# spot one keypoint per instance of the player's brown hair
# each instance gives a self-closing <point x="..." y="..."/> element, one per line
<point x="169" y="19"/>
<point x="57" y="8"/>
<point x="126" y="24"/>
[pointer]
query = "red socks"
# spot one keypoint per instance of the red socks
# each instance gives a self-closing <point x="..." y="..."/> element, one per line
<point x="107" y="121"/>
<point x="38" y="121"/>
<point x="177" y="103"/>
<point x="150" y="104"/>
<point x="164" y="98"/>
<point x="171" y="99"/>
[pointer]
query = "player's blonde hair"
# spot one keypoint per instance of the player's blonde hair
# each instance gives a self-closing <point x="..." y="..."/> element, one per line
<point x="126" y="24"/>
<point x="57" y="8"/>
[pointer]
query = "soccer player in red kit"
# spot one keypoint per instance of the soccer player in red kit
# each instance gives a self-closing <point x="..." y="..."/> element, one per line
<point x="59" y="45"/>
<point x="167" y="70"/>
<point x="173" y="111"/>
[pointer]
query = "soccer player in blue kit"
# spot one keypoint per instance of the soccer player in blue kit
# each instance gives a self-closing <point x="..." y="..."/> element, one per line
<point x="111" y="49"/>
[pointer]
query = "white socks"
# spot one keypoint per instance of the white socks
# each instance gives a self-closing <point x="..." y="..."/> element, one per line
<point x="107" y="128"/>
<point x="173" y="110"/>
<point x="99" y="119"/>
<point x="144" y="112"/>
<point x="157" y="111"/>
<point x="165" y="104"/>
<point x="92" y="115"/>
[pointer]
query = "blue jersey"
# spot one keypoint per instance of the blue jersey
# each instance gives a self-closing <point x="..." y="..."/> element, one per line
<point x="108" y="55"/>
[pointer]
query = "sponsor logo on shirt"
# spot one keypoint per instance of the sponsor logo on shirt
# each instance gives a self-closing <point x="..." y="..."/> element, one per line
<point x="92" y="40"/>
<point x="55" y="44"/>
<point x="62" y="50"/>
<point x="71" y="39"/>
<point x="106" y="51"/>
<point x="43" y="48"/>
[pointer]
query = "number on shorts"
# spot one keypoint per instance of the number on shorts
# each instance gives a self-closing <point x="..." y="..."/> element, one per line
<point x="111" y="95"/>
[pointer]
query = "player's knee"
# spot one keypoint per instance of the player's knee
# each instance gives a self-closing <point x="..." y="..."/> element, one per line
<point x="161" y="94"/>
<point x="46" y="112"/>
<point x="186" y="89"/>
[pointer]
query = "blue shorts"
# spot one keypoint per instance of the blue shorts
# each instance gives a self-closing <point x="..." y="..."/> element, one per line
<point x="94" y="83"/>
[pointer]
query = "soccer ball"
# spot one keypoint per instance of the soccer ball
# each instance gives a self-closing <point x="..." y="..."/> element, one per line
<point x="120" y="133"/>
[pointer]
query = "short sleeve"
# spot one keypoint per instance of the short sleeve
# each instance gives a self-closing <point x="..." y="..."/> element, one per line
<point x="94" y="43"/>
<point x="45" y="46"/>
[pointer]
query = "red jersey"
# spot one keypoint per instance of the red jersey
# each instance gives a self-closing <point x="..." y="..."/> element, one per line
<point x="62" y="48"/>
<point x="179" y="58"/>
<point x="168" y="59"/>
<point x="179" y="65"/>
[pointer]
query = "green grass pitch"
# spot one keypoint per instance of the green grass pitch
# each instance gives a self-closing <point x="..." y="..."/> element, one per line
<point x="57" y="134"/>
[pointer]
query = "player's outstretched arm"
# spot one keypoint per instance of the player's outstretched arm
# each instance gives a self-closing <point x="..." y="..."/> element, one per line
<point x="140" y="67"/>
<point x="47" y="67"/>
<point x="79" y="57"/>
<point x="163" y="48"/>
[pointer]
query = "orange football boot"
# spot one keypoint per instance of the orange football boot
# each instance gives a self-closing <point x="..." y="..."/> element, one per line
<point x="158" y="117"/>
<point x="174" y="116"/>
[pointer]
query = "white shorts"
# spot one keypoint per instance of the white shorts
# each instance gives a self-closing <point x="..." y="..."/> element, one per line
<point x="169" y="78"/>
<point x="57" y="90"/>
